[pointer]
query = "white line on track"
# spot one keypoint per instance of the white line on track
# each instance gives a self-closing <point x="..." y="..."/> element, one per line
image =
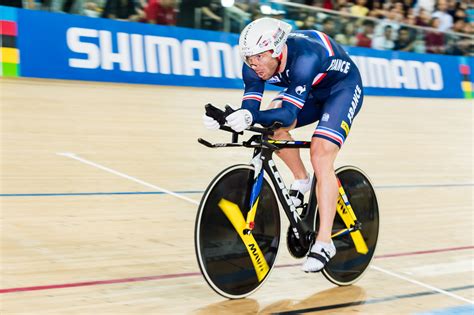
<point x="393" y="274"/>
<point x="107" y="169"/>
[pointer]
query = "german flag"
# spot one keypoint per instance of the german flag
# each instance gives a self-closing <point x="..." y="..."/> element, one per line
<point x="9" y="52"/>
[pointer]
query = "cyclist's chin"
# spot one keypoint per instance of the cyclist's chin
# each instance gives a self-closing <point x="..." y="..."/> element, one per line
<point x="265" y="76"/>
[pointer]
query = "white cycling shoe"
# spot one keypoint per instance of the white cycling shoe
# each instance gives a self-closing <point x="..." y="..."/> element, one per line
<point x="319" y="256"/>
<point x="298" y="189"/>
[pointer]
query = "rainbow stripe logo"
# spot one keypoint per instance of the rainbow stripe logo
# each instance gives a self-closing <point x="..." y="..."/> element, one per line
<point x="466" y="83"/>
<point x="9" y="52"/>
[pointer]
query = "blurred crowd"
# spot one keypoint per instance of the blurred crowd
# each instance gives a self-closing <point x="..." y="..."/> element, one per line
<point x="431" y="26"/>
<point x="401" y="24"/>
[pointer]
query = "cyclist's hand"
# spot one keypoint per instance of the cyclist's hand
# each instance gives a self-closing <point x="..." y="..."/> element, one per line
<point x="210" y="122"/>
<point x="240" y="120"/>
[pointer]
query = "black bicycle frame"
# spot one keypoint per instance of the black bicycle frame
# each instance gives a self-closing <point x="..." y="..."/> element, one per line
<point x="301" y="225"/>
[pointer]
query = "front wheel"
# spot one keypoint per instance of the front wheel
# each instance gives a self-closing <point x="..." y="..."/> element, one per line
<point x="348" y="266"/>
<point x="235" y="265"/>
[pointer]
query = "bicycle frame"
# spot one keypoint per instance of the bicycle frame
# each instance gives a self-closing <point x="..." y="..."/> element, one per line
<point x="302" y="227"/>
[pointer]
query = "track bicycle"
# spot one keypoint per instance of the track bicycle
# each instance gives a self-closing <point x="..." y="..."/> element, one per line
<point x="237" y="229"/>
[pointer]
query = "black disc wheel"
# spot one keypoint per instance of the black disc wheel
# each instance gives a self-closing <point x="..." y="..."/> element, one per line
<point x="348" y="266"/>
<point x="223" y="256"/>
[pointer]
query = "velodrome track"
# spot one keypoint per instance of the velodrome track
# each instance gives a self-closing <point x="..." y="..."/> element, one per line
<point x="99" y="191"/>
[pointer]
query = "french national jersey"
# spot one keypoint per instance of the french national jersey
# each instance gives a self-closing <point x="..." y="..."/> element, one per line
<point x="314" y="62"/>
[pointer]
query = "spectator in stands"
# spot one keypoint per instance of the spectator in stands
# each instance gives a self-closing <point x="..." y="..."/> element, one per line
<point x="445" y="19"/>
<point x="451" y="7"/>
<point x="360" y="8"/>
<point x="91" y="9"/>
<point x="460" y="13"/>
<point x="364" y="38"/>
<point x="187" y="9"/>
<point x="385" y="41"/>
<point x="161" y="12"/>
<point x="328" y="4"/>
<point x="399" y="10"/>
<point x="12" y="3"/>
<point x="427" y="5"/>
<point x="72" y="6"/>
<point x="454" y="46"/>
<point x="342" y="6"/>
<point x="459" y="26"/>
<point x="405" y="40"/>
<point x="423" y="18"/>
<point x="246" y="5"/>
<point x="211" y="17"/>
<point x="469" y="7"/>
<point x="435" y="40"/>
<point x="410" y="19"/>
<point x="309" y="23"/>
<point x="120" y="10"/>
<point x="377" y="10"/>
<point x="329" y="27"/>
<point x="392" y="18"/>
<point x="408" y="4"/>
<point x="348" y="35"/>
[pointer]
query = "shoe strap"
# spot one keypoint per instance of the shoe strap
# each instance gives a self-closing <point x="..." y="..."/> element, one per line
<point x="319" y="257"/>
<point x="297" y="194"/>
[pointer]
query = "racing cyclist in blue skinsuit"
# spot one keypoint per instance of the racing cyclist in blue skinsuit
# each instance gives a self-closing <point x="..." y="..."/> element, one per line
<point x="321" y="83"/>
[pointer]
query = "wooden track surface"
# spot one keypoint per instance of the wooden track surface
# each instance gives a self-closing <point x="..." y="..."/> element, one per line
<point x="72" y="241"/>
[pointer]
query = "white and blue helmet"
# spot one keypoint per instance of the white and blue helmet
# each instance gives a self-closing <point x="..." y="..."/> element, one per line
<point x="262" y="35"/>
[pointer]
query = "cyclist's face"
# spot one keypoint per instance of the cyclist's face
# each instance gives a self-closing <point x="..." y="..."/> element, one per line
<point x="263" y="64"/>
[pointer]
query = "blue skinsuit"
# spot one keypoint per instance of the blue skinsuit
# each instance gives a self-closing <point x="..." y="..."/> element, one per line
<point x="321" y="84"/>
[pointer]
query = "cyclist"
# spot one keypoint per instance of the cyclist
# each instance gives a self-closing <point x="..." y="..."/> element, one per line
<point x="321" y="84"/>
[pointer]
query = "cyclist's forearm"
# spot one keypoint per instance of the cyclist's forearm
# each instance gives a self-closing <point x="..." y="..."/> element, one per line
<point x="284" y="115"/>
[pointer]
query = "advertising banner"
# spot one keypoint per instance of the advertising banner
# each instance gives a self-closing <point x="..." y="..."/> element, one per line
<point x="63" y="46"/>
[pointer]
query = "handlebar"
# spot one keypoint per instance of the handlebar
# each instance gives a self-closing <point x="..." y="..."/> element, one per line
<point x="220" y="116"/>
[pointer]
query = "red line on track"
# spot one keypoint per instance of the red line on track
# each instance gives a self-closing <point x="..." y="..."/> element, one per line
<point x="422" y="252"/>
<point x="191" y="274"/>
<point x="89" y="283"/>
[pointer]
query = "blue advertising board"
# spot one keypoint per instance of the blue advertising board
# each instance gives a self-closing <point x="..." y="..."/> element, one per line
<point x="63" y="46"/>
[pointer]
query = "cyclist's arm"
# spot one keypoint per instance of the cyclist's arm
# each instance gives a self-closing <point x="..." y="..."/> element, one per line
<point x="254" y="87"/>
<point x="305" y="70"/>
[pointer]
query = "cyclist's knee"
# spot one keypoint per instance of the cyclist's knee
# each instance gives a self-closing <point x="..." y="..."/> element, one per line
<point x="280" y="134"/>
<point x="283" y="133"/>
<point x="323" y="155"/>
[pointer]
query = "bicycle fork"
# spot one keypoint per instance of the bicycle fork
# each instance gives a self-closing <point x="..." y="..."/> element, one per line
<point x="245" y="226"/>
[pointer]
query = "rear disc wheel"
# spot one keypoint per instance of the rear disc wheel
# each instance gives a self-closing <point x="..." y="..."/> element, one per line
<point x="348" y="266"/>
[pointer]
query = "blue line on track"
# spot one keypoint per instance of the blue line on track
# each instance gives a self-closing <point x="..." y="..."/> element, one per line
<point x="201" y="191"/>
<point x="457" y="310"/>
<point x="370" y="301"/>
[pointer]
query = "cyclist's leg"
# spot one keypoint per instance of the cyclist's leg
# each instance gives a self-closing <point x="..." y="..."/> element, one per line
<point x="338" y="114"/>
<point x="291" y="157"/>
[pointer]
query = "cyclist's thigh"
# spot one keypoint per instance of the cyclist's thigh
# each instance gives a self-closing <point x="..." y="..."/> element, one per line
<point x="338" y="113"/>
<point x="310" y="113"/>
